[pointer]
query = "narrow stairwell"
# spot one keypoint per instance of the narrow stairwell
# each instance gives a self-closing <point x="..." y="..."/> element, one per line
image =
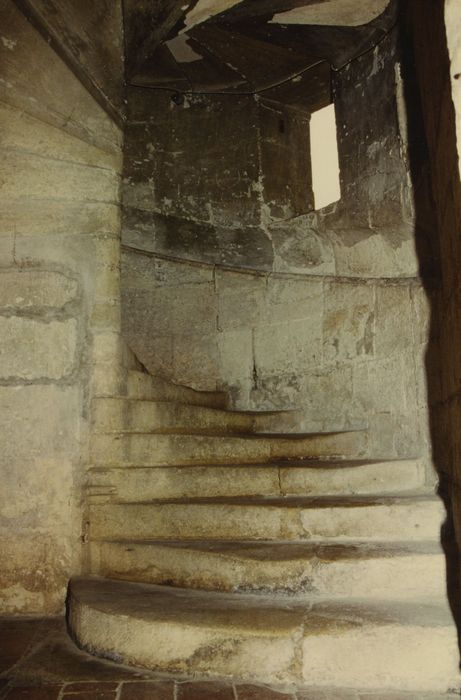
<point x="220" y="546"/>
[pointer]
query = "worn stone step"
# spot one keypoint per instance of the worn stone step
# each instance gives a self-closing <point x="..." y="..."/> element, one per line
<point x="134" y="415"/>
<point x="141" y="385"/>
<point x="367" y="570"/>
<point x="404" y="646"/>
<point x="143" y="449"/>
<point x="316" y="478"/>
<point x="399" y="518"/>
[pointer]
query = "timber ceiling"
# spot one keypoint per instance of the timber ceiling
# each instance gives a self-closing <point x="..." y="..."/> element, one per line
<point x="246" y="46"/>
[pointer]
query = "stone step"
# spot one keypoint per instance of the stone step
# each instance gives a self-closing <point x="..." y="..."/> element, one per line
<point x="402" y="571"/>
<point x="144" y="449"/>
<point x="400" y="518"/>
<point x="141" y="385"/>
<point x="397" y="645"/>
<point x="315" y="478"/>
<point x="134" y="415"/>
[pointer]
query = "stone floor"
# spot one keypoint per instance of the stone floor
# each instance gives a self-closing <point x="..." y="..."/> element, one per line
<point x="38" y="661"/>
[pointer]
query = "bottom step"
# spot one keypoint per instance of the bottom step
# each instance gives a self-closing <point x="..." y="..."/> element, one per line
<point x="340" y="644"/>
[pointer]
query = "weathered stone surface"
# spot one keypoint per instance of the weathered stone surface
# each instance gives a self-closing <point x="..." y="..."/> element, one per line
<point x="146" y="449"/>
<point x="54" y="218"/>
<point x="241" y="299"/>
<point x="141" y="385"/>
<point x="387" y="572"/>
<point x="144" y="272"/>
<point x="393" y="313"/>
<point x="33" y="349"/>
<point x="31" y="87"/>
<point x="24" y="175"/>
<point x="39" y="496"/>
<point x="282" y="348"/>
<point x="26" y="289"/>
<point x="90" y="40"/>
<point x="316" y="519"/>
<point x="317" y="478"/>
<point x="259" y="641"/>
<point x="196" y="360"/>
<point x="236" y="360"/>
<point x="59" y="208"/>
<point x="300" y="248"/>
<point x="348" y="324"/>
<point x="26" y="133"/>
<point x="317" y="344"/>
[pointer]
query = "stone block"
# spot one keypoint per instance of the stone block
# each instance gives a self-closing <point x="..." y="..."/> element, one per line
<point x="22" y="132"/>
<point x="108" y="380"/>
<point x="31" y="289"/>
<point x="196" y="361"/>
<point x="235" y="355"/>
<point x="147" y="272"/>
<point x="106" y="316"/>
<point x="30" y="86"/>
<point x="348" y="323"/>
<point x="35" y="570"/>
<point x="42" y="432"/>
<point x="394" y="320"/>
<point x="328" y="397"/>
<point x="380" y="385"/>
<point x="55" y="218"/>
<point x="25" y="175"/>
<point x="32" y="349"/>
<point x="183" y="310"/>
<point x="291" y="298"/>
<point x="241" y="299"/>
<point x="6" y="246"/>
<point x="277" y="392"/>
<point x="155" y="353"/>
<point x="421" y="314"/>
<point x="108" y="348"/>
<point x="289" y="348"/>
<point x="300" y="248"/>
<point x="374" y="256"/>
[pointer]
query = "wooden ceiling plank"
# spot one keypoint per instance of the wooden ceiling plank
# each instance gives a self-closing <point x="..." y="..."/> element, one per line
<point x="147" y="24"/>
<point x="263" y="64"/>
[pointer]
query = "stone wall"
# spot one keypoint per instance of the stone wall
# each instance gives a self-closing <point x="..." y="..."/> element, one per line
<point x="59" y="307"/>
<point x="347" y="352"/>
<point x="437" y="24"/>
<point x="226" y="179"/>
<point x="325" y="310"/>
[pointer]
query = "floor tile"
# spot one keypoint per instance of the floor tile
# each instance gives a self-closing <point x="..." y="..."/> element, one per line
<point x="254" y="692"/>
<point x="148" y="690"/>
<point x="204" y="691"/>
<point x="47" y="692"/>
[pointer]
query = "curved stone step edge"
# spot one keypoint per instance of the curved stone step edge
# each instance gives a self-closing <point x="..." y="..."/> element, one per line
<point x="339" y="519"/>
<point x="140" y="385"/>
<point x="119" y="414"/>
<point x="265" y="639"/>
<point x="144" y="449"/>
<point x="404" y="571"/>
<point x="134" y="484"/>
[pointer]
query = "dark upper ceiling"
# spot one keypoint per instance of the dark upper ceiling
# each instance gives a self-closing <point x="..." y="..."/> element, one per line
<point x="245" y="45"/>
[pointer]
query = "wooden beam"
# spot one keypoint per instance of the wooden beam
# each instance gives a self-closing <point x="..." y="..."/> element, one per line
<point x="147" y="24"/>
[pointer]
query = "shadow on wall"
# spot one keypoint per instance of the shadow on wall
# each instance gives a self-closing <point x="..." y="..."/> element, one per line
<point x="433" y="160"/>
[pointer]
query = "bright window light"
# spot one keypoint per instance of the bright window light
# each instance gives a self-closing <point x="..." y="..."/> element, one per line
<point x="324" y="157"/>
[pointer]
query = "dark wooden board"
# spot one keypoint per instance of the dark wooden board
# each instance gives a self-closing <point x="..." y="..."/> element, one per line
<point x="147" y="24"/>
<point x="161" y="70"/>
<point x="261" y="63"/>
<point x="212" y="74"/>
<point x="308" y="93"/>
